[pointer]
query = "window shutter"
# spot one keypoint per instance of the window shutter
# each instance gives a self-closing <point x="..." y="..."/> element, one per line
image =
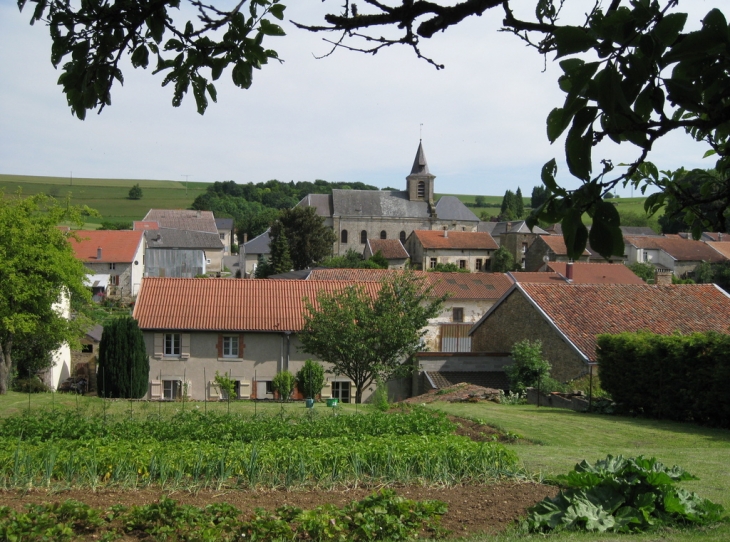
<point x="159" y="342"/>
<point x="187" y="390"/>
<point x="213" y="391"/>
<point x="155" y="390"/>
<point x="241" y="346"/>
<point x="185" y="346"/>
<point x="326" y="392"/>
<point x="244" y="389"/>
<point x="219" y="345"/>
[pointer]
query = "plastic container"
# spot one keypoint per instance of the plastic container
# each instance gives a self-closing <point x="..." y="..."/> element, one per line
<point x="309" y="403"/>
<point x="332" y="402"/>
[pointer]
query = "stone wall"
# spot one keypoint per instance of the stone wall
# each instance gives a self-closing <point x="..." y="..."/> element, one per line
<point x="515" y="319"/>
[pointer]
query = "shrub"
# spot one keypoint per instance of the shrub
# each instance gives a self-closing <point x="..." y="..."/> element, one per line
<point x="379" y="398"/>
<point x="310" y="379"/>
<point x="135" y="192"/>
<point x="529" y="368"/>
<point x="226" y="385"/>
<point x="123" y="366"/>
<point x="32" y="384"/>
<point x="283" y="383"/>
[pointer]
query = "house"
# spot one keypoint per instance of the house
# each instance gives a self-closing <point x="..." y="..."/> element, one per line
<point x="466" y="249"/>
<point x="359" y="215"/>
<point x="182" y="253"/>
<point x="99" y="285"/>
<point x="580" y="273"/>
<point x="567" y="318"/>
<point x="183" y="219"/>
<point x="117" y="253"/>
<point x="723" y="247"/>
<point x="391" y="249"/>
<point x="251" y="251"/>
<point x="548" y="248"/>
<point x="83" y="361"/>
<point x="680" y="256"/>
<point x="226" y="233"/>
<point x="515" y="236"/>
<point x="246" y="329"/>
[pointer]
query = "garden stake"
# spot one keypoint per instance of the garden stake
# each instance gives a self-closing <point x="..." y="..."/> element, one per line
<point x="205" y="395"/>
<point x="590" y="388"/>
<point x="184" y="388"/>
<point x="159" y="404"/>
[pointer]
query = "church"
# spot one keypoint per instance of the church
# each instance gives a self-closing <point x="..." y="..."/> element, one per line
<point x="359" y="215"/>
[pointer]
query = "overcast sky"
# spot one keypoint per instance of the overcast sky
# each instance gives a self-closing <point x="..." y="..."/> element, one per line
<point x="349" y="117"/>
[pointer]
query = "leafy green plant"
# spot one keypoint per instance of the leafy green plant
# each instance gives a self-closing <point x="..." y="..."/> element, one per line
<point x="283" y="383"/>
<point x="310" y="379"/>
<point x="621" y="495"/>
<point x="512" y="398"/>
<point x="379" y="399"/>
<point x="529" y="367"/>
<point x="226" y="385"/>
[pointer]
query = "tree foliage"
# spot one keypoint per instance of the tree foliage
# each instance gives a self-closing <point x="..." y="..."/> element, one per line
<point x="280" y="259"/>
<point x="519" y="203"/>
<point x="508" y="210"/>
<point x="446" y="268"/>
<point x="283" y="383"/>
<point x="309" y="239"/>
<point x="644" y="270"/>
<point x="33" y="354"/>
<point x="38" y="271"/>
<point x="135" y="192"/>
<point x="90" y="39"/>
<point x="264" y="269"/>
<point x="366" y="338"/>
<point x="123" y="366"/>
<point x="310" y="379"/>
<point x="539" y="195"/>
<point x="713" y="273"/>
<point x="529" y="367"/>
<point x="687" y="186"/>
<point x="354" y="260"/>
<point x="502" y="261"/>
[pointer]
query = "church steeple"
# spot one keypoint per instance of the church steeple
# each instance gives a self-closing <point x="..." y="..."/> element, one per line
<point x="420" y="181"/>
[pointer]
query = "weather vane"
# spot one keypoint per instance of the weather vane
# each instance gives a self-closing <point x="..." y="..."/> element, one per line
<point x="420" y="132"/>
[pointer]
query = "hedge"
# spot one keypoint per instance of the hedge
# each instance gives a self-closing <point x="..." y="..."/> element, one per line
<point x="676" y="377"/>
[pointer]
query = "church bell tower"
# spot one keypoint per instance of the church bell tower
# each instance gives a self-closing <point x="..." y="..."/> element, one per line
<point x="420" y="181"/>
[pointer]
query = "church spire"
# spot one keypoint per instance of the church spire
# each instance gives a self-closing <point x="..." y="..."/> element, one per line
<point x="420" y="166"/>
<point x="420" y="181"/>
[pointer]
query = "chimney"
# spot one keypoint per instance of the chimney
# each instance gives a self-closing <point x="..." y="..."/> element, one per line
<point x="245" y="238"/>
<point x="446" y="233"/>
<point x="663" y="277"/>
<point x="719" y="236"/>
<point x="569" y="271"/>
<point x="98" y="253"/>
<point x="198" y="214"/>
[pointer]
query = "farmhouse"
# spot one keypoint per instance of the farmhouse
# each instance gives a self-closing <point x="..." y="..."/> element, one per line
<point x="391" y="249"/>
<point x="567" y="317"/>
<point x="246" y="329"/>
<point x="680" y="256"/>
<point x="469" y="250"/>
<point x="548" y="248"/>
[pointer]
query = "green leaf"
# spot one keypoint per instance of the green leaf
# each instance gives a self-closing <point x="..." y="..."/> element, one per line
<point x="277" y="10"/>
<point x="572" y="39"/>
<point x="140" y="57"/>
<point x="212" y="91"/>
<point x="270" y="29"/>
<point x="709" y="153"/>
<point x="548" y="176"/>
<point x="667" y="30"/>
<point x="575" y="233"/>
<point x="578" y="153"/>
<point x="557" y="122"/>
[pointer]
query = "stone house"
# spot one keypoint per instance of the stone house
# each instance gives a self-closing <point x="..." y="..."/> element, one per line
<point x="182" y="253"/>
<point x="246" y="329"/>
<point x="580" y="273"/>
<point x="226" y="233"/>
<point x="83" y="360"/>
<point x="467" y="250"/>
<point x="250" y="251"/>
<point x="548" y="248"/>
<point x="515" y="236"/>
<point x="680" y="256"/>
<point x="359" y="215"/>
<point x="391" y="249"/>
<point x="117" y="253"/>
<point x="568" y="317"/>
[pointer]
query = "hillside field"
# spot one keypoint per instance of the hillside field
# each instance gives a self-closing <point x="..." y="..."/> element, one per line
<point x="110" y="196"/>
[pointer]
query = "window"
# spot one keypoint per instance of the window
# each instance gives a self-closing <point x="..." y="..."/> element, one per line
<point x="457" y="314"/>
<point x="403" y="237"/>
<point x="421" y="189"/>
<point x="112" y="266"/>
<point x="230" y="347"/>
<point x="114" y="280"/>
<point x="341" y="391"/>
<point x="172" y="344"/>
<point x="363" y="237"/>
<point x="478" y="264"/>
<point x="432" y="263"/>
<point x="171" y="389"/>
<point x="87" y="348"/>
<point x="383" y="234"/>
<point x="343" y="237"/>
<point x="223" y="236"/>
<point x="524" y="248"/>
<point x="462" y="264"/>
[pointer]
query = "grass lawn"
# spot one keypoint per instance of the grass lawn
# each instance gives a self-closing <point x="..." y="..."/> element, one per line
<point x="566" y="437"/>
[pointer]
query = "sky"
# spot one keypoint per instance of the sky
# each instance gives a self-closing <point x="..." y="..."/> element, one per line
<point x="346" y="118"/>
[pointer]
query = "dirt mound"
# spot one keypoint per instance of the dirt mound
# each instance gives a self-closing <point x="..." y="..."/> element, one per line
<point x="458" y="393"/>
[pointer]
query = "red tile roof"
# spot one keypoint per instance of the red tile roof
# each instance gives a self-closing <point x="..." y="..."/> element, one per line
<point x="229" y="305"/>
<point x="118" y="246"/>
<point x="557" y="245"/>
<point x="597" y="273"/>
<point x="391" y="249"/>
<point x="678" y="248"/>
<point x="468" y="240"/>
<point x="548" y="277"/>
<point x="582" y="311"/>
<point x="455" y="285"/>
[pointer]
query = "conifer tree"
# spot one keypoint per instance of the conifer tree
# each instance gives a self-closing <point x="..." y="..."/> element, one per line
<point x="280" y="260"/>
<point x="123" y="366"/>
<point x="519" y="204"/>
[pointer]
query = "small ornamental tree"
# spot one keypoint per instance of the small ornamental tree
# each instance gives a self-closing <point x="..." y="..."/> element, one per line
<point x="123" y="366"/>
<point x="644" y="270"/>
<point x="502" y="261"/>
<point x="310" y="379"/>
<point x="135" y="192"/>
<point x="529" y="367"/>
<point x="283" y="383"/>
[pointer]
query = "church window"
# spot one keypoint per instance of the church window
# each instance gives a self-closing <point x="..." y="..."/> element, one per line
<point x="363" y="237"/>
<point x="343" y="236"/>
<point x="421" y="189"/>
<point x="383" y="234"/>
<point x="403" y="237"/>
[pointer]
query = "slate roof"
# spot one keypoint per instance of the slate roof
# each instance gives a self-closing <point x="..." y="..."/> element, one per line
<point x="597" y="273"/>
<point x="723" y="247"/>
<point x="322" y="203"/>
<point x="678" y="248"/>
<point x="95" y="333"/>
<point x="420" y="165"/>
<point x="514" y="226"/>
<point x="224" y="223"/>
<point x="467" y="240"/>
<point x="638" y="230"/>
<point x="557" y="245"/>
<point x="487" y="379"/>
<point x="142" y="225"/>
<point x="183" y="219"/>
<point x="581" y="311"/>
<point x="391" y="249"/>
<point x="229" y="305"/>
<point x="172" y="238"/>
<point x="381" y="203"/>
<point x="117" y="246"/>
<point x="259" y="245"/>
<point x="451" y="208"/>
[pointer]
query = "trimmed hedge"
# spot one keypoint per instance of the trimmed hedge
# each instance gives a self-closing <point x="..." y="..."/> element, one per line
<point x="676" y="377"/>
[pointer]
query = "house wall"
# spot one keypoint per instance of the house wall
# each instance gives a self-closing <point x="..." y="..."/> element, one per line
<point x="513" y="242"/>
<point x="138" y="266"/>
<point x="216" y="260"/>
<point x="515" y="319"/>
<point x="536" y="252"/>
<point x="124" y="270"/>
<point x="454" y="362"/>
<point x="474" y="309"/>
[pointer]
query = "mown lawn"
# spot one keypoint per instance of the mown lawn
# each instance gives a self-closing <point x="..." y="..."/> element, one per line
<point x="562" y="438"/>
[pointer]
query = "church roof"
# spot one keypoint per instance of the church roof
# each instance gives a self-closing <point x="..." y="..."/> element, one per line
<point x="420" y="166"/>
<point x="322" y="203"/>
<point x="451" y="208"/>
<point x="385" y="203"/>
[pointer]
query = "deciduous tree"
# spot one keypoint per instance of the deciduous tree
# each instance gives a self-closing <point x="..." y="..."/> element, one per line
<point x="38" y="270"/>
<point x="502" y="261"/>
<point x="309" y="239"/>
<point x="366" y="338"/>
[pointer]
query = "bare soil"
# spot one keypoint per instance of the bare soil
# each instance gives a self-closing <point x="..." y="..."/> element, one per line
<point x="458" y="393"/>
